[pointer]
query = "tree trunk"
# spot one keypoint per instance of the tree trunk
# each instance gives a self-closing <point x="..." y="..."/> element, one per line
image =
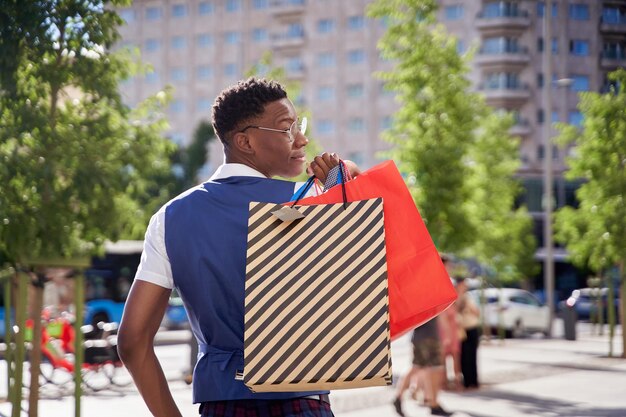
<point x="35" y="358"/>
<point x="20" y="322"/>
<point x="622" y="306"/>
<point x="8" y="329"/>
<point x="610" y="301"/>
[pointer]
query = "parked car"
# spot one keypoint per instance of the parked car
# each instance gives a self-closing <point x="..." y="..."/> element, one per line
<point x="585" y="303"/>
<point x="516" y="310"/>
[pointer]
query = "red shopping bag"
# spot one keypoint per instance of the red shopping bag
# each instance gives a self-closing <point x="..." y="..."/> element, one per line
<point x="419" y="285"/>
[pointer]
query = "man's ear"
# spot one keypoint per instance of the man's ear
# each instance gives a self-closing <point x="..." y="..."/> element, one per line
<point x="241" y="142"/>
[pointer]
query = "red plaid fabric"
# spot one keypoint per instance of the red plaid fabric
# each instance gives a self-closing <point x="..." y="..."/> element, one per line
<point x="298" y="407"/>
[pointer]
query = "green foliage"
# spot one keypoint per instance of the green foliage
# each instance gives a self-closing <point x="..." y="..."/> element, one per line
<point x="74" y="158"/>
<point x="505" y="241"/>
<point x="434" y="126"/>
<point x="459" y="157"/>
<point x="594" y="232"/>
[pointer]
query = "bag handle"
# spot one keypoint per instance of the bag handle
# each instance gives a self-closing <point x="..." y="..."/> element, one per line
<point x="311" y="181"/>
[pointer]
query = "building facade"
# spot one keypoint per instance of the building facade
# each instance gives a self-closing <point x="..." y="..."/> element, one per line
<point x="201" y="46"/>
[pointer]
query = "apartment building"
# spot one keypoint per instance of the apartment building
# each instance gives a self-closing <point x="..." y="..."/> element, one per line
<point x="201" y="46"/>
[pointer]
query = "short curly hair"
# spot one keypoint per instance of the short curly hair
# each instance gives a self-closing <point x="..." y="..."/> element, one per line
<point x="241" y="102"/>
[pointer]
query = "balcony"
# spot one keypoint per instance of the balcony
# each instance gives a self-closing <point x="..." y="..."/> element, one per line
<point x="503" y="94"/>
<point x="613" y="59"/>
<point x="614" y="23"/>
<point x="287" y="8"/>
<point x="521" y="128"/>
<point x="503" y="58"/>
<point x="502" y="20"/>
<point x="287" y="41"/>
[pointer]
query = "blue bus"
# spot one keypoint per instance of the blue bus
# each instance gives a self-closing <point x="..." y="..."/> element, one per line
<point x="108" y="282"/>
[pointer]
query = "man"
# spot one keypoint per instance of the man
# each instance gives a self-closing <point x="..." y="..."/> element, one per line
<point x="427" y="364"/>
<point x="197" y="244"/>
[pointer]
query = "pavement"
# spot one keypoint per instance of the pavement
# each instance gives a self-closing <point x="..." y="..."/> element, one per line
<point x="523" y="377"/>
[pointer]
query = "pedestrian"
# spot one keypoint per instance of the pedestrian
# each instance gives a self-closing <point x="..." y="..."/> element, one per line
<point x="469" y="319"/>
<point x="427" y="366"/>
<point x="451" y="335"/>
<point x="196" y="243"/>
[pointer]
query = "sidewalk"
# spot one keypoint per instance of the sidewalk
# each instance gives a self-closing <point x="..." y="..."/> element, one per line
<point x="527" y="377"/>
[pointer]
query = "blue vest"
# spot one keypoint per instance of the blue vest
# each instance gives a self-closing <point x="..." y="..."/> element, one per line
<point x="206" y="240"/>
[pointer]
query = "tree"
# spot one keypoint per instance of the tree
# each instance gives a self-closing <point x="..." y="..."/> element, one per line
<point x="505" y="241"/>
<point x="459" y="157"/>
<point x="433" y="129"/>
<point x="594" y="232"/>
<point x="73" y="157"/>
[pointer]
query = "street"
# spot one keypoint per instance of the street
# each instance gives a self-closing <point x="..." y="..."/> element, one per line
<point x="524" y="377"/>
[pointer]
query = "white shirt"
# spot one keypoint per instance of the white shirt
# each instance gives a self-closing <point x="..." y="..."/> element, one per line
<point x="155" y="265"/>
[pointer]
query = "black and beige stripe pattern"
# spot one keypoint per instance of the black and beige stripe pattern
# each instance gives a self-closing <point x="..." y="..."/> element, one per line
<point x="316" y="303"/>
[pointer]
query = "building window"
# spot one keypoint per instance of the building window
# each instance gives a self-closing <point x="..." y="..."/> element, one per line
<point x="541" y="9"/>
<point x="580" y="83"/>
<point x="579" y="47"/>
<point x="205" y="8"/>
<point x="204" y="72"/>
<point x="128" y="15"/>
<point x="502" y="80"/>
<point x="356" y="124"/>
<point x="356" y="22"/>
<point x="260" y="4"/>
<point x="356" y="56"/>
<point x="295" y="31"/>
<point x="540" y="116"/>
<point x="541" y="153"/>
<point x="204" y="40"/>
<point x="358" y="157"/>
<point x="203" y="104"/>
<point x="454" y="12"/>
<point x="179" y="10"/>
<point x="231" y="37"/>
<point x="355" y="90"/>
<point x="555" y="45"/>
<point x="259" y="35"/>
<point x="152" y="77"/>
<point x="326" y="93"/>
<point x="177" y="106"/>
<point x="294" y="64"/>
<point x="178" y="74"/>
<point x="325" y="127"/>
<point x="501" y="9"/>
<point x="179" y="42"/>
<point x="555" y="116"/>
<point x="613" y="15"/>
<point x="325" y="26"/>
<point x="500" y="45"/>
<point x="460" y="47"/>
<point x="152" y="45"/>
<point x="579" y="11"/>
<point x="614" y="50"/>
<point x="575" y="118"/>
<point x="230" y="70"/>
<point x="386" y="123"/>
<point x="326" y="59"/>
<point x="233" y="6"/>
<point x="153" y="13"/>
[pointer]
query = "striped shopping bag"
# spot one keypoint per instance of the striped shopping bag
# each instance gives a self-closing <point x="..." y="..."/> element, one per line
<point x="316" y="303"/>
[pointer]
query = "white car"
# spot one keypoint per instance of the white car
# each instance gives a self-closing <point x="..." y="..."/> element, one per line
<point x="517" y="311"/>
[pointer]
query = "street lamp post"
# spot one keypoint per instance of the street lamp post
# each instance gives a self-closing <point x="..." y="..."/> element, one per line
<point x="548" y="267"/>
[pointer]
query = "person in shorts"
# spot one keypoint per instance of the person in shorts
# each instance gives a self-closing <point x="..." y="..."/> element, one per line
<point x="427" y="364"/>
